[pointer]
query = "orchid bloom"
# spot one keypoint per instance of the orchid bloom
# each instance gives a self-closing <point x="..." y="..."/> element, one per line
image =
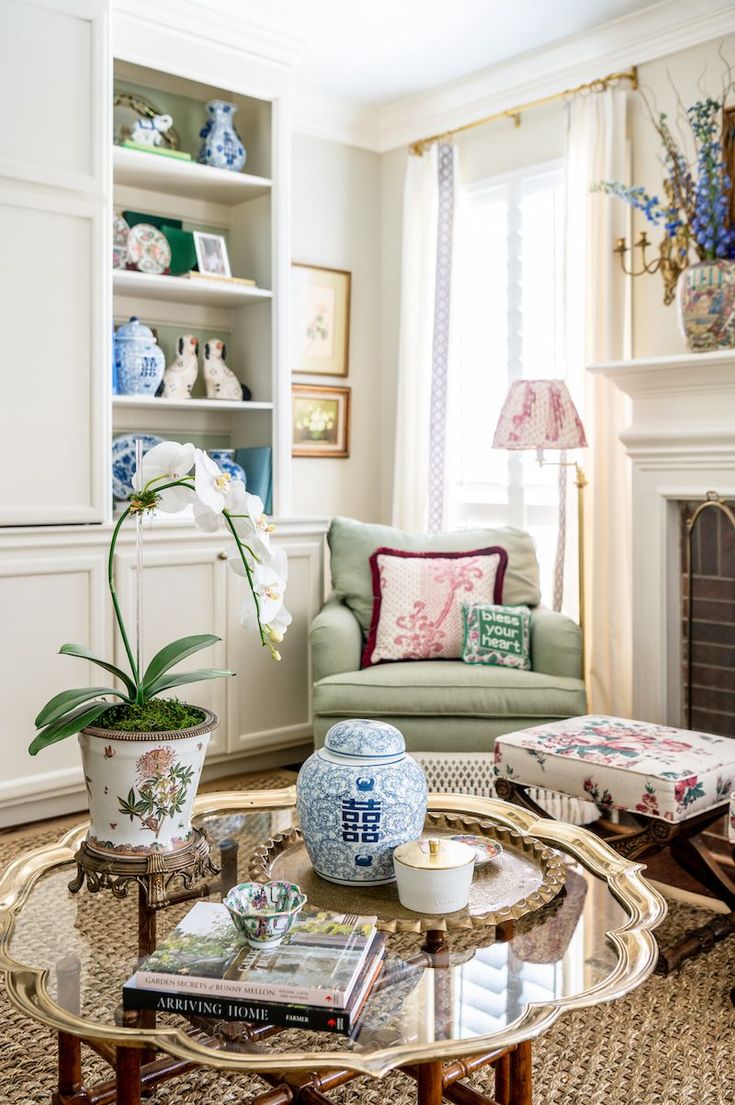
<point x="254" y="526"/>
<point x="211" y="484"/>
<point x="235" y="503"/>
<point x="219" y="501"/>
<point x="164" y="463"/>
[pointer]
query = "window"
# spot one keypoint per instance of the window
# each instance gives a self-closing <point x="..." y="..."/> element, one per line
<point x="507" y="324"/>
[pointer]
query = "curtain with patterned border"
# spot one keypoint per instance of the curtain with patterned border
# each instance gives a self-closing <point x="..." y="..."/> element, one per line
<point x="428" y="228"/>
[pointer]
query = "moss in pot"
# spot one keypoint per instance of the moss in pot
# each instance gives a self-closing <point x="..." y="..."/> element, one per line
<point x="143" y="754"/>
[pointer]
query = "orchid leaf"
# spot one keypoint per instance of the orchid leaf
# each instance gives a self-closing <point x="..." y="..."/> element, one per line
<point x="60" y="704"/>
<point x="166" y="682"/>
<point x="173" y="654"/>
<point x="67" y="725"/>
<point x="85" y="654"/>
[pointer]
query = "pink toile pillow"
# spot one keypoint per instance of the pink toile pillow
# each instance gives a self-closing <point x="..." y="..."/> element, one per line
<point x="418" y="599"/>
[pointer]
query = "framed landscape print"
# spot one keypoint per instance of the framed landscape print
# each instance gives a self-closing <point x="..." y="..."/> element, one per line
<point x="321" y="320"/>
<point x="321" y="421"/>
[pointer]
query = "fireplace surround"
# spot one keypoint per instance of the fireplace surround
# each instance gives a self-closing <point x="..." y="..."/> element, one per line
<point x="681" y="444"/>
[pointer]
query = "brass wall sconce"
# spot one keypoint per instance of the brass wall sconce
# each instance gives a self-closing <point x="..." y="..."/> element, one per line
<point x="669" y="261"/>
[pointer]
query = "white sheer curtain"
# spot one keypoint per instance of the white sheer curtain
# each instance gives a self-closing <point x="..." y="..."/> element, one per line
<point x="595" y="327"/>
<point x="428" y="227"/>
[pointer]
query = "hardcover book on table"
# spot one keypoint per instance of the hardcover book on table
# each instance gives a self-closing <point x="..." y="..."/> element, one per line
<point x="317" y="963"/>
<point x="311" y="1017"/>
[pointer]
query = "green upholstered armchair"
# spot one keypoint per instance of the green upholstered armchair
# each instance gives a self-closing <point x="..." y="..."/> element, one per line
<point x="439" y="705"/>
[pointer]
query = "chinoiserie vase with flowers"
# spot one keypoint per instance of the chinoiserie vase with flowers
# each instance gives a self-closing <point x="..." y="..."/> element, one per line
<point x="141" y="786"/>
<point x="358" y="798"/>
<point x="222" y="147"/>
<point x="705" y="296"/>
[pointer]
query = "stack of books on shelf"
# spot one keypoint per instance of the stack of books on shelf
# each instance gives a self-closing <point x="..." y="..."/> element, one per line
<point x="318" y="977"/>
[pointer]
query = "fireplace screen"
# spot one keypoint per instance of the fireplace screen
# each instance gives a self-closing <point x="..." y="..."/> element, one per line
<point x="708" y="609"/>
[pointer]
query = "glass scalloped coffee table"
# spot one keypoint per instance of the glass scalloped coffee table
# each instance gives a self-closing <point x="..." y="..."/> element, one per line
<point x="446" y="1004"/>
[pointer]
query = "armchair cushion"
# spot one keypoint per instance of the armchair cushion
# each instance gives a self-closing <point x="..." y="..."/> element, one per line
<point x="352" y="543"/>
<point x="448" y="689"/>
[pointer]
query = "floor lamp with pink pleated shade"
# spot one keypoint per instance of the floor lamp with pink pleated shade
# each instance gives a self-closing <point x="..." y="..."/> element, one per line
<point x="540" y="415"/>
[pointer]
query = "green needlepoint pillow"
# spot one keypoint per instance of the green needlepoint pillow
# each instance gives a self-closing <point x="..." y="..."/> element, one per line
<point x="497" y="635"/>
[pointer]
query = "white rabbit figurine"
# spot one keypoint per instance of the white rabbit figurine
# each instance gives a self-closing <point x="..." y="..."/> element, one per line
<point x="180" y="376"/>
<point x="147" y="132"/>
<point x="221" y="381"/>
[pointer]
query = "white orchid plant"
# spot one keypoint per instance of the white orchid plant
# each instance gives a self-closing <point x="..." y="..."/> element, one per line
<point x="166" y="481"/>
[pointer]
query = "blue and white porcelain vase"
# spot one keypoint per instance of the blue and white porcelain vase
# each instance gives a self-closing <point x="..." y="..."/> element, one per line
<point x="222" y="146"/>
<point x="358" y="798"/>
<point x="225" y="458"/>
<point x="139" y="360"/>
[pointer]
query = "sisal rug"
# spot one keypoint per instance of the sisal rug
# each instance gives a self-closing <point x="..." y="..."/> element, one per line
<point x="668" y="1043"/>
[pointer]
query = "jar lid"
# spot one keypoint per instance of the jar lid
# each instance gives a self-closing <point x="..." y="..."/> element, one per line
<point x="434" y="854"/>
<point x="360" y="738"/>
<point x="134" y="329"/>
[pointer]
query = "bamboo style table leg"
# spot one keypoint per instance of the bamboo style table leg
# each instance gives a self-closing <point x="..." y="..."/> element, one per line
<point x="520" y="1075"/>
<point x="127" y="1066"/>
<point x="429" y="1083"/>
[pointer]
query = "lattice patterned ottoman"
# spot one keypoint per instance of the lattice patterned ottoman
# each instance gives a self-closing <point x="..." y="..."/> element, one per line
<point x="673" y="782"/>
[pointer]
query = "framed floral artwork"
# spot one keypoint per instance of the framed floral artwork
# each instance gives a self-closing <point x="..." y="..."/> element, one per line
<point x="321" y="320"/>
<point x="321" y="421"/>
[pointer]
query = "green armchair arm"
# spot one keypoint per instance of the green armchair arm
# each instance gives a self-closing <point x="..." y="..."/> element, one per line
<point x="336" y="640"/>
<point x="556" y="644"/>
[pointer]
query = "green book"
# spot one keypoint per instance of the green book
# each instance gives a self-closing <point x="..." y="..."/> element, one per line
<point x="162" y="151"/>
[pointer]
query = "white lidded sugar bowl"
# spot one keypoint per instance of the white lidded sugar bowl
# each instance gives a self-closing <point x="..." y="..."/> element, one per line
<point x="435" y="875"/>
<point x="358" y="798"/>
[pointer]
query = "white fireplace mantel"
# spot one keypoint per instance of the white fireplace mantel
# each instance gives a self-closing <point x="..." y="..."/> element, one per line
<point x="681" y="442"/>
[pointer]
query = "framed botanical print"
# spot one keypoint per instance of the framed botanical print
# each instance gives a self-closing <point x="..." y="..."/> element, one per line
<point x="321" y="421"/>
<point x="321" y="320"/>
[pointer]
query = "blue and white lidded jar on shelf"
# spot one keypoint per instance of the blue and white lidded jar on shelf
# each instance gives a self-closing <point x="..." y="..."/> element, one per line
<point x="225" y="458"/>
<point x="358" y="798"/>
<point x="139" y="360"/>
<point x="222" y="146"/>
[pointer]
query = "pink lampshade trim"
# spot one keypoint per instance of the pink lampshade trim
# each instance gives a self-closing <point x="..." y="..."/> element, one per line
<point x="539" y="414"/>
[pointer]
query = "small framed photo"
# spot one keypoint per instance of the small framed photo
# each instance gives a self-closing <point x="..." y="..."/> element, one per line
<point x="321" y="421"/>
<point x="321" y="320"/>
<point x="211" y="250"/>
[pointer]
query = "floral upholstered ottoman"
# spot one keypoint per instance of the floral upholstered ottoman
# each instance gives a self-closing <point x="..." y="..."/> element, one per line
<point x="654" y="770"/>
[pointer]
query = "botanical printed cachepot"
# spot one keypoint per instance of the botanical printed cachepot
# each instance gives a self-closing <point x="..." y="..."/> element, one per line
<point x="141" y="786"/>
<point x="358" y="798"/>
<point x="142" y="750"/>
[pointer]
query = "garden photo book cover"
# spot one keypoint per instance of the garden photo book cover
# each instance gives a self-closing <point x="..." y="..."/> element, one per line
<point x="317" y="963"/>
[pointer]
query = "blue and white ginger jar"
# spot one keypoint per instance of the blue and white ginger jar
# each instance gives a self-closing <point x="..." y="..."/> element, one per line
<point x="139" y="360"/>
<point x="222" y="146"/>
<point x="358" y="798"/>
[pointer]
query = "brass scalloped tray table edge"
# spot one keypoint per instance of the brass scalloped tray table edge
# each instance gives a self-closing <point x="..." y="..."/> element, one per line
<point x="265" y="859"/>
<point x="27" y="985"/>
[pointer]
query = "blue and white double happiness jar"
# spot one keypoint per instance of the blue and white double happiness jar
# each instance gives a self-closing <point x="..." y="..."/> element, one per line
<point x="358" y="798"/>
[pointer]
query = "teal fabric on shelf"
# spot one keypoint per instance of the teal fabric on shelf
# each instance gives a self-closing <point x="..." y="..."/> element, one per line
<point x="257" y="461"/>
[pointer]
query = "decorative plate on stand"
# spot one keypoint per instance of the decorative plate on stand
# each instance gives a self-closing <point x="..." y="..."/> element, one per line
<point x="148" y="249"/>
<point x="123" y="461"/>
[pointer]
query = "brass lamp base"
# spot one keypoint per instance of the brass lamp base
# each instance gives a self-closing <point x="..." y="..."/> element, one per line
<point x="155" y="873"/>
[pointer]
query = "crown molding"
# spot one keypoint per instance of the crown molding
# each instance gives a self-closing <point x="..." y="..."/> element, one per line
<point x="655" y="31"/>
<point x="198" y="20"/>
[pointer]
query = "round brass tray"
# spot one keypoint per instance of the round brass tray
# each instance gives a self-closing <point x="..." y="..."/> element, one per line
<point x="524" y="877"/>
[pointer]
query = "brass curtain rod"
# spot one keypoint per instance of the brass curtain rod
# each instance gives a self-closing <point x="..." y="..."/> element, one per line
<point x="515" y="113"/>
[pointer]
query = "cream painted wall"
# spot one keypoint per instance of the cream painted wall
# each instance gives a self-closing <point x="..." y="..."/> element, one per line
<point x="692" y="74"/>
<point x="336" y="223"/>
